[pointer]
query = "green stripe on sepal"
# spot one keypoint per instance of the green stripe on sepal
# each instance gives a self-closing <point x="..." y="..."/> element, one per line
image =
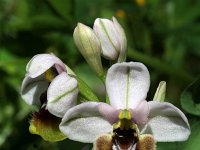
<point x="63" y="95"/>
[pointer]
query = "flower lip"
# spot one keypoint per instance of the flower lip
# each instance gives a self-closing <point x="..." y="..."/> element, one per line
<point x="45" y="124"/>
<point x="124" y="139"/>
<point x="125" y="132"/>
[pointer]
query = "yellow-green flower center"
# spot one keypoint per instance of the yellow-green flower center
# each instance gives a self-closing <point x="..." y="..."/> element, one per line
<point x="125" y="132"/>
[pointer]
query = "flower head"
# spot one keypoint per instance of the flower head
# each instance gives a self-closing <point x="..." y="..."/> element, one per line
<point x="129" y="122"/>
<point x="48" y="86"/>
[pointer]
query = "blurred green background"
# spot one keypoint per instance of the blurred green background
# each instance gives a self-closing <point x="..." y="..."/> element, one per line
<point x="164" y="35"/>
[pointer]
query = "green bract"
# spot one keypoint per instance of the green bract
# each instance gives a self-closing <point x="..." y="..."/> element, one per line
<point x="160" y="92"/>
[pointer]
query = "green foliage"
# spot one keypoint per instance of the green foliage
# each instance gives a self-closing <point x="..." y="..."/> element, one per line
<point x="164" y="35"/>
<point x="193" y="142"/>
<point x="190" y="98"/>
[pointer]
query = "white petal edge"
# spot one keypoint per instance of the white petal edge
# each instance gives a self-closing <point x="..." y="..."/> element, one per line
<point x="32" y="88"/>
<point x="108" y="36"/>
<point x="127" y="84"/>
<point x="123" y="40"/>
<point x="42" y="62"/>
<point x="84" y="123"/>
<point x="166" y="123"/>
<point x="62" y="94"/>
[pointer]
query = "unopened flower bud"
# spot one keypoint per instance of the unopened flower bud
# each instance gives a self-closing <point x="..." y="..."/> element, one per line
<point x="112" y="38"/>
<point x="89" y="46"/>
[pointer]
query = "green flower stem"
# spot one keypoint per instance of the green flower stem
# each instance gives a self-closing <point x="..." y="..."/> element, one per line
<point x="85" y="91"/>
<point x="107" y="99"/>
<point x="159" y="65"/>
<point x="103" y="78"/>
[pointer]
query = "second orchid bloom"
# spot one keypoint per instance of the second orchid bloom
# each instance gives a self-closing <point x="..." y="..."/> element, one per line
<point x="48" y="86"/>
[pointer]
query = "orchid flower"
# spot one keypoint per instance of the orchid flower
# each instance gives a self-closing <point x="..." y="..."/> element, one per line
<point x="48" y="86"/>
<point x="129" y="122"/>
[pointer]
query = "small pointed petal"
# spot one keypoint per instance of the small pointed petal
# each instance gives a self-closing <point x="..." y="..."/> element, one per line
<point x="109" y="38"/>
<point x="140" y="113"/>
<point x="146" y="142"/>
<point x="62" y="94"/>
<point x="160" y="92"/>
<point x="32" y="89"/>
<point x="103" y="142"/>
<point x="84" y="123"/>
<point x="70" y="71"/>
<point x="46" y="125"/>
<point x="42" y="62"/>
<point x="166" y="123"/>
<point x="127" y="84"/>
